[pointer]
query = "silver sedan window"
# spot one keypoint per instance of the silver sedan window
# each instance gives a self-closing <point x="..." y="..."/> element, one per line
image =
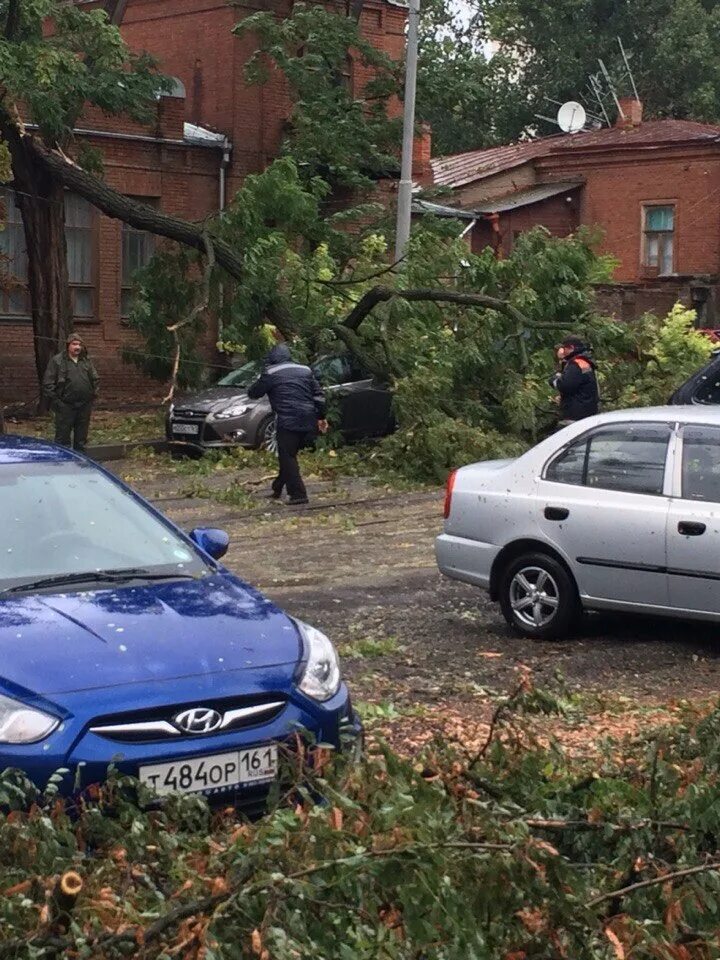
<point x="627" y="457"/>
<point x="701" y="464"/>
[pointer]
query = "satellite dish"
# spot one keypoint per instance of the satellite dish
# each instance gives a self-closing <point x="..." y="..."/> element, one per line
<point x="571" y="117"/>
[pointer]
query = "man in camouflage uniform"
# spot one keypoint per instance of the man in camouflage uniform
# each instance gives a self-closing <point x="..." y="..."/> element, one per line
<point x="70" y="386"/>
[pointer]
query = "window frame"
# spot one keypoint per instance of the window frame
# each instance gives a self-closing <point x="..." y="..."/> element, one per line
<point x="122" y="287"/>
<point x="678" y="491"/>
<point x="645" y="233"/>
<point x="93" y="286"/>
<point x="669" y="470"/>
<point x="7" y="196"/>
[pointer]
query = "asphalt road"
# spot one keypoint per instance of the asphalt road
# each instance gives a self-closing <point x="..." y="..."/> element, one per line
<point x="359" y="565"/>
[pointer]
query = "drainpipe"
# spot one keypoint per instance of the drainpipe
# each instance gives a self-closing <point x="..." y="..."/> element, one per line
<point x="224" y="164"/>
<point x="468" y="229"/>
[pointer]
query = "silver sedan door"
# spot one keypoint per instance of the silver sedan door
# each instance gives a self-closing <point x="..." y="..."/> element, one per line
<point x="693" y="531"/>
<point x="602" y="503"/>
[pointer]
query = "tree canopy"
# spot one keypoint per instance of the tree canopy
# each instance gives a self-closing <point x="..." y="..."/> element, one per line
<point x="339" y="128"/>
<point x="547" y="52"/>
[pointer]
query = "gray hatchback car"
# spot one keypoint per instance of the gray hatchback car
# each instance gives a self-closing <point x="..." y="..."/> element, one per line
<point x="617" y="512"/>
<point x="224" y="416"/>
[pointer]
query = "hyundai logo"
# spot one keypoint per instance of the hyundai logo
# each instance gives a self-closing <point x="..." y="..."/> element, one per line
<point x="198" y="720"/>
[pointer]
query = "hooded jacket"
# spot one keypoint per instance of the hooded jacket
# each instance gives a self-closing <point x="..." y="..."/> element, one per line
<point x="295" y="395"/>
<point x="578" y="387"/>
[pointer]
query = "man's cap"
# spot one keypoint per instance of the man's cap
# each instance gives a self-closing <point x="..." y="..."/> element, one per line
<point x="74" y="338"/>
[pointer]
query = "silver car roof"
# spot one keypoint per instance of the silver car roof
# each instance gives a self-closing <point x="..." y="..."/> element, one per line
<point x="690" y="413"/>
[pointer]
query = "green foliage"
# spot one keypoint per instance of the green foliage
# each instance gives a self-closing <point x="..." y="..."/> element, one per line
<point x="511" y="848"/>
<point x="338" y="130"/>
<point x="549" y="50"/>
<point x="664" y="353"/>
<point x="166" y="291"/>
<point x="460" y="92"/>
<point x="81" y="59"/>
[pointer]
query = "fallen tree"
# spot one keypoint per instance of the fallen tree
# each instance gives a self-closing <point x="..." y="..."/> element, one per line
<point x="515" y="848"/>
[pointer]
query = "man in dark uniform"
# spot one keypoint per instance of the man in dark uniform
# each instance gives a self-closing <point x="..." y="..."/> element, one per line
<point x="576" y="382"/>
<point x="298" y="402"/>
<point x="70" y="386"/>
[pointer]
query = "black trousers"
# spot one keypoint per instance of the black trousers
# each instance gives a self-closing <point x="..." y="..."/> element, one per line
<point x="72" y="425"/>
<point x="290" y="443"/>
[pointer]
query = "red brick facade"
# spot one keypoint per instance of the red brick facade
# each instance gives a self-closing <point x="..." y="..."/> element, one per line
<point x="169" y="165"/>
<point x="621" y="173"/>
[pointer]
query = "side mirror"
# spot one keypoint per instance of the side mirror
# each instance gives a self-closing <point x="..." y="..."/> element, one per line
<point x="213" y="541"/>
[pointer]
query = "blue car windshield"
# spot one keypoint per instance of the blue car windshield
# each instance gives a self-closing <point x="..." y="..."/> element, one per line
<point x="66" y="518"/>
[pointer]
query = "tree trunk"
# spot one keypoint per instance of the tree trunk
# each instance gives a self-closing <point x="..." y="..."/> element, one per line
<point x="41" y="199"/>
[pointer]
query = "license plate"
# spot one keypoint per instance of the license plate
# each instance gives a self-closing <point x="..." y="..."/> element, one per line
<point x="185" y="428"/>
<point x="215" y="772"/>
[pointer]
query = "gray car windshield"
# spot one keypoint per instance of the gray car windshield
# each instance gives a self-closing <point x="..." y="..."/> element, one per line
<point x="242" y="377"/>
<point x="69" y="518"/>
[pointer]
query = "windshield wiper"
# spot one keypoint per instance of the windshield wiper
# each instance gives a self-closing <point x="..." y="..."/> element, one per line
<point x="96" y="576"/>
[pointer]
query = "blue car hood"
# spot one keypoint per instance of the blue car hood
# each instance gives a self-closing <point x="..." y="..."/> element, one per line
<point x="63" y="643"/>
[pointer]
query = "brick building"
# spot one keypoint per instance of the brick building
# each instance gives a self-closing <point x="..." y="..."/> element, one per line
<point x="653" y="187"/>
<point x="206" y="138"/>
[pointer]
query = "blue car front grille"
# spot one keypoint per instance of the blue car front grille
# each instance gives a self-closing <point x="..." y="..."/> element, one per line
<point x="164" y="724"/>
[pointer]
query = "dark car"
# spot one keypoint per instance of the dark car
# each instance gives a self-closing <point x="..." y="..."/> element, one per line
<point x="701" y="387"/>
<point x="224" y="416"/>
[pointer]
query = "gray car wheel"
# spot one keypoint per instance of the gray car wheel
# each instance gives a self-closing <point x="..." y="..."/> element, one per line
<point x="538" y="596"/>
<point x="267" y="435"/>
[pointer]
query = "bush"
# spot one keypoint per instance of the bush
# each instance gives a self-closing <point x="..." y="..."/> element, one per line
<point x="429" y="450"/>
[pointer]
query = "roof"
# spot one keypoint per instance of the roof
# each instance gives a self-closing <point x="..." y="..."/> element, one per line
<point x="201" y="136"/>
<point x="462" y="168"/>
<point x="438" y="210"/>
<point x="523" y="198"/>
<point x="690" y="413"/>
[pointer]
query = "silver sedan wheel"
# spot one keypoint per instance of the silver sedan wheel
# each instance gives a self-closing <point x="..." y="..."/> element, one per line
<point x="534" y="596"/>
<point x="269" y="440"/>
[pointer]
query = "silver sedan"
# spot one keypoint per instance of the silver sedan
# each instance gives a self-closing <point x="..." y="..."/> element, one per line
<point x="617" y="512"/>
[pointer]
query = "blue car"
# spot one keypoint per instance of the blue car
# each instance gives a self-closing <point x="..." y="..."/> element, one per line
<point x="124" y="641"/>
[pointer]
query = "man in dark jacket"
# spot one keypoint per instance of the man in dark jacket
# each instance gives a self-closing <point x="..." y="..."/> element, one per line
<point x="298" y="402"/>
<point x="576" y="382"/>
<point x="70" y="386"/>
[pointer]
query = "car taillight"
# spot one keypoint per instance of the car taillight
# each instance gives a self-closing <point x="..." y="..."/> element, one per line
<point x="448" y="493"/>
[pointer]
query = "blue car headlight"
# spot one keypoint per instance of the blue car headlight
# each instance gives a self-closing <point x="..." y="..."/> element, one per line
<point x="22" y="724"/>
<point x="321" y="676"/>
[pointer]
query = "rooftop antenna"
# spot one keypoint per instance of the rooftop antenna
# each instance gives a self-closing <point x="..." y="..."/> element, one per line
<point x="597" y="92"/>
<point x="611" y="87"/>
<point x="571" y="117"/>
<point x="627" y="68"/>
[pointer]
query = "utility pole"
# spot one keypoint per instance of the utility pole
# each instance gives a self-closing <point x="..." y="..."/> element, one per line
<point x="404" y="201"/>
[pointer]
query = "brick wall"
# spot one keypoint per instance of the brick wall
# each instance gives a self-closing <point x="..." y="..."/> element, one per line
<point x="194" y="43"/>
<point x="555" y="213"/>
<point x="617" y="187"/>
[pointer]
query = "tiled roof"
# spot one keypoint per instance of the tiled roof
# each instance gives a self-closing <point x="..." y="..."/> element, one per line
<point x="461" y="168"/>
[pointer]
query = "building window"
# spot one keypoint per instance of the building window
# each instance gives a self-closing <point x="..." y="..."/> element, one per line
<point x="80" y="241"/>
<point x="658" y="234"/>
<point x="16" y="302"/>
<point x="138" y="247"/>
